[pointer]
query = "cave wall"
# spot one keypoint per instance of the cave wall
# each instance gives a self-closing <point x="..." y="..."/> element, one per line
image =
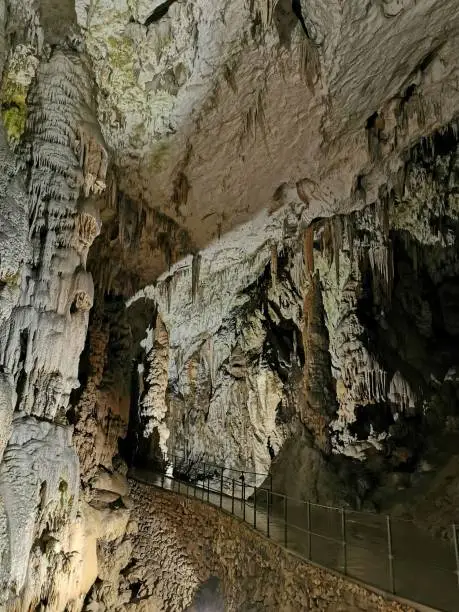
<point x="118" y="170"/>
<point x="341" y="335"/>
<point x="54" y="164"/>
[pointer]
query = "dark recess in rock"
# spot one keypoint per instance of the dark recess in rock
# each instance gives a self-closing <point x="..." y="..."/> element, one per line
<point x="159" y="12"/>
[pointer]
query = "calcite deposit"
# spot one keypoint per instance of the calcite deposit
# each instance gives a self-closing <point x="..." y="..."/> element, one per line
<point x="227" y="233"/>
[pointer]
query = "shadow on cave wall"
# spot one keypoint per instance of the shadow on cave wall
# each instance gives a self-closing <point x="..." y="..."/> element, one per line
<point x="121" y="356"/>
<point x="209" y="597"/>
<point x="418" y="336"/>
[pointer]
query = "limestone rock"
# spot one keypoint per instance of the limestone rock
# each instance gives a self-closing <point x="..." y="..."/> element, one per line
<point x="115" y="483"/>
<point x="269" y="178"/>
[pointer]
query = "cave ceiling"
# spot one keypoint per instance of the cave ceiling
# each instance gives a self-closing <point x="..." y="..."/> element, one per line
<point x="215" y="112"/>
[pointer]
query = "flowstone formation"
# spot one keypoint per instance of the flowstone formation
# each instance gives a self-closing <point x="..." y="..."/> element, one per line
<point x="335" y="343"/>
<point x="227" y="232"/>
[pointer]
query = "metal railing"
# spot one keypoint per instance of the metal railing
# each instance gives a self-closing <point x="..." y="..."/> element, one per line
<point x="391" y="554"/>
<point x="200" y="471"/>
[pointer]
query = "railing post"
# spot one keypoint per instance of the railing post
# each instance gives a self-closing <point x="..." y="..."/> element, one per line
<point x="456" y="551"/>
<point x="179" y="485"/>
<point x="270" y="492"/>
<point x="390" y="555"/>
<point x="343" y="537"/>
<point x="163" y="475"/>
<point x="243" y="500"/>
<point x="285" y="521"/>
<point x="255" y="507"/>
<point x="308" y="506"/>
<point x="232" y="497"/>
<point x="221" y="489"/>
<point x="268" y="513"/>
<point x="208" y="489"/>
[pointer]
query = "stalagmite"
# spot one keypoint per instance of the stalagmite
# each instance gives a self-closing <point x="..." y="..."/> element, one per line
<point x="337" y="238"/>
<point x="308" y="251"/>
<point x="153" y="407"/>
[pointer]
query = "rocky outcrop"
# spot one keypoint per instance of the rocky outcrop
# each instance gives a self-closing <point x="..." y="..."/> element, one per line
<point x="39" y="480"/>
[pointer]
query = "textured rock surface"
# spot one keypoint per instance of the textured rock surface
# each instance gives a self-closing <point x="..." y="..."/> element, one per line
<point x="49" y="219"/>
<point x="201" y="147"/>
<point x="214" y="136"/>
<point x="254" y="573"/>
<point x="309" y="333"/>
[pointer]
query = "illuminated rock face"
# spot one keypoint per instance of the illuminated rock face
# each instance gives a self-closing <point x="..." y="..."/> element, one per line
<point x="272" y="189"/>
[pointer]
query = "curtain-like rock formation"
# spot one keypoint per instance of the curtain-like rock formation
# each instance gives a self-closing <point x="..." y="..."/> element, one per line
<point x="252" y="207"/>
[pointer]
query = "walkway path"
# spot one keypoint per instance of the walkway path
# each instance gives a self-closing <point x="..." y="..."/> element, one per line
<point x="419" y="567"/>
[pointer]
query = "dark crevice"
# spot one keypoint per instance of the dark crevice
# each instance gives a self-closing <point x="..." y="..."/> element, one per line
<point x="296" y="8"/>
<point x="135" y="589"/>
<point x="372" y="121"/>
<point x="22" y="378"/>
<point x="159" y="12"/>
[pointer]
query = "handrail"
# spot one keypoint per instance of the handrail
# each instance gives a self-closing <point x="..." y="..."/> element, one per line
<point x="369" y="513"/>
<point x="341" y="553"/>
<point x="171" y="459"/>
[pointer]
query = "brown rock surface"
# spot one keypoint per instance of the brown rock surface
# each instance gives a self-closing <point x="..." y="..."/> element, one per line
<point x="182" y="543"/>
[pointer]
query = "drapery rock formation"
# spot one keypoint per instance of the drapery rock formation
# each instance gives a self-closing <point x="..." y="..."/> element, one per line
<point x="227" y="233"/>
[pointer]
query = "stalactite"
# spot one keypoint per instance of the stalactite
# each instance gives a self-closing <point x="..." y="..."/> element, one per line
<point x="265" y="9"/>
<point x="401" y="394"/>
<point x="381" y="263"/>
<point x="254" y="118"/>
<point x="399" y="183"/>
<point x="308" y="251"/>
<point x="195" y="270"/>
<point x="375" y="127"/>
<point x="309" y="62"/>
<point x="274" y="263"/>
<point x="337" y="239"/>
<point x="181" y="188"/>
<point x="329" y="241"/>
<point x="167" y="283"/>
<point x="122" y="220"/>
<point x="212" y="364"/>
<point x="350" y="231"/>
